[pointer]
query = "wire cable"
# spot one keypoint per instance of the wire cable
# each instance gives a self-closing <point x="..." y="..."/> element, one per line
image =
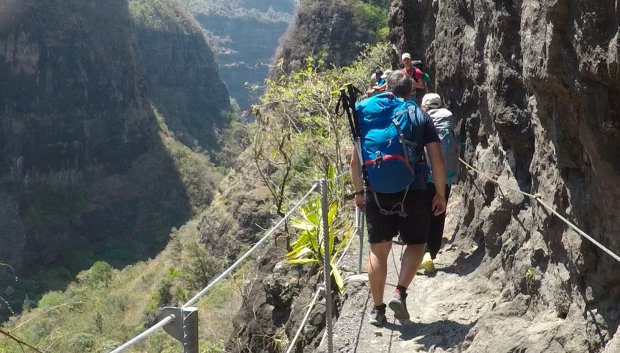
<point x="168" y="319"/>
<point x="249" y="252"/>
<point x="538" y="198"/>
<point x="165" y="321"/>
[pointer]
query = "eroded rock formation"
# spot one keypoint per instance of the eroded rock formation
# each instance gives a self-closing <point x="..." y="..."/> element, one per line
<point x="86" y="169"/>
<point x="537" y="84"/>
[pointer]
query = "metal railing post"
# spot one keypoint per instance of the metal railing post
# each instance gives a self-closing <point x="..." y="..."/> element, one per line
<point x="186" y="329"/>
<point x="190" y="329"/>
<point x="359" y="230"/>
<point x="327" y="265"/>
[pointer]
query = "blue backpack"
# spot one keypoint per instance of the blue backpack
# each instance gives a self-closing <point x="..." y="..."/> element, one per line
<point x="390" y="145"/>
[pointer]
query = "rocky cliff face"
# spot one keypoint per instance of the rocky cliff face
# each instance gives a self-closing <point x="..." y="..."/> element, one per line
<point x="88" y="172"/>
<point x="245" y="35"/>
<point x="335" y="31"/>
<point x="536" y="82"/>
<point x="72" y="103"/>
<point x="181" y="75"/>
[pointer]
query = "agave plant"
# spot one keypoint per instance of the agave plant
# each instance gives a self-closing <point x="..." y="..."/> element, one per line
<point x="309" y="247"/>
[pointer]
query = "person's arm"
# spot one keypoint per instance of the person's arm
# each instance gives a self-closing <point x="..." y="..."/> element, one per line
<point x="380" y="88"/>
<point x="418" y="82"/>
<point x="439" y="177"/>
<point x="356" y="179"/>
<point x="433" y="148"/>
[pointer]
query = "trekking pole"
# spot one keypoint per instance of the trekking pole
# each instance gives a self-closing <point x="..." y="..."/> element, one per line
<point x="352" y="98"/>
<point x="345" y="103"/>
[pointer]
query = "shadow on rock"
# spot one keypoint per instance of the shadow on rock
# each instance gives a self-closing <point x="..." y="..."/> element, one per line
<point x="439" y="334"/>
<point x="464" y="263"/>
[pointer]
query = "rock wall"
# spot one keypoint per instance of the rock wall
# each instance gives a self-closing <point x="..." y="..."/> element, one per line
<point x="71" y="102"/>
<point x="87" y="172"/>
<point x="180" y="71"/>
<point x="335" y="31"/>
<point x="244" y="34"/>
<point x="536" y="82"/>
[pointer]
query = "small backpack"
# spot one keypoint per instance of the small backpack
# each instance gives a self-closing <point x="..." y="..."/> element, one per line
<point x="419" y="64"/>
<point x="390" y="146"/>
<point x="450" y="146"/>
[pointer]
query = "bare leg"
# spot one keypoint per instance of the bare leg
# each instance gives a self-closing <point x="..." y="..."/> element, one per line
<point x="377" y="269"/>
<point x="412" y="258"/>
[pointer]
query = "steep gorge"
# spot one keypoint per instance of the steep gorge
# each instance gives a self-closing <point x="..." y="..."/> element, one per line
<point x="536" y="82"/>
<point x="245" y="34"/>
<point x="92" y="109"/>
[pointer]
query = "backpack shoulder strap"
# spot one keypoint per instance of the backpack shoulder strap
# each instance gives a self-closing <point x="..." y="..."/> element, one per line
<point x="416" y="116"/>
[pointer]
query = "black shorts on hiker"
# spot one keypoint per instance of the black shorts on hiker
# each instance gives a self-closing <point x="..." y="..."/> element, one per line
<point x="413" y="228"/>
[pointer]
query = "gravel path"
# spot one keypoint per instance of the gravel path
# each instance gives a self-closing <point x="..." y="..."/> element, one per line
<point x="444" y="306"/>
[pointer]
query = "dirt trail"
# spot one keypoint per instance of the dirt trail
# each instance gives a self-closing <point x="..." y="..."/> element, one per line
<point x="444" y="306"/>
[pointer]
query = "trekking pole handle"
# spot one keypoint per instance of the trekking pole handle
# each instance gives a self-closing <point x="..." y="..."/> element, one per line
<point x="350" y="112"/>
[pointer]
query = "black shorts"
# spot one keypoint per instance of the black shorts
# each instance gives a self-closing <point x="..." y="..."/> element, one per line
<point x="413" y="228"/>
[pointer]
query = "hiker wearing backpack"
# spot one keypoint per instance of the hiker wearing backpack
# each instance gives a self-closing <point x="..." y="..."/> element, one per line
<point x="380" y="84"/>
<point x="416" y="73"/>
<point x="390" y="186"/>
<point x="445" y="124"/>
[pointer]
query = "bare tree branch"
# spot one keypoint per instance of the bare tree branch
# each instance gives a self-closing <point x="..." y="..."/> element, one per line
<point x="20" y="342"/>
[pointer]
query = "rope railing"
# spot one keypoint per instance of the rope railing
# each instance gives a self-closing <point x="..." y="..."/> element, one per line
<point x="249" y="252"/>
<point x="291" y="345"/>
<point x="186" y="311"/>
<point x="163" y="322"/>
<point x="170" y="318"/>
<point x="539" y="199"/>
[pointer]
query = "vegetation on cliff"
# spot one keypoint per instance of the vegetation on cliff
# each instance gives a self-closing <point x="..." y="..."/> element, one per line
<point x="181" y="74"/>
<point x="105" y="306"/>
<point x="335" y="31"/>
<point x="244" y="35"/>
<point x="94" y="171"/>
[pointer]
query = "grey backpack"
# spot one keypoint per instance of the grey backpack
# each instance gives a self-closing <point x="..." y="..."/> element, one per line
<point x="445" y="125"/>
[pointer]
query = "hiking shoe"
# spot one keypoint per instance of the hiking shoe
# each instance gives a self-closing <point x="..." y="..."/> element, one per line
<point x="427" y="263"/>
<point x="398" y="304"/>
<point x="377" y="316"/>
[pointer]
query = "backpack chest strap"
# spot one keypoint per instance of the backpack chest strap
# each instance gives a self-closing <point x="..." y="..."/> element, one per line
<point x="377" y="161"/>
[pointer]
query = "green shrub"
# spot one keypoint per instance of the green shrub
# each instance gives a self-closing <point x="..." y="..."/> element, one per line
<point x="51" y="299"/>
<point x="82" y="341"/>
<point x="100" y="273"/>
<point x="162" y="295"/>
<point x="201" y="268"/>
<point x="41" y="329"/>
<point x="108" y="346"/>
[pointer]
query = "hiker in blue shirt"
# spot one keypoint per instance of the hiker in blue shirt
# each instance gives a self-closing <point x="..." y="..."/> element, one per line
<point x="445" y="124"/>
<point x="379" y="84"/>
<point x="396" y="200"/>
